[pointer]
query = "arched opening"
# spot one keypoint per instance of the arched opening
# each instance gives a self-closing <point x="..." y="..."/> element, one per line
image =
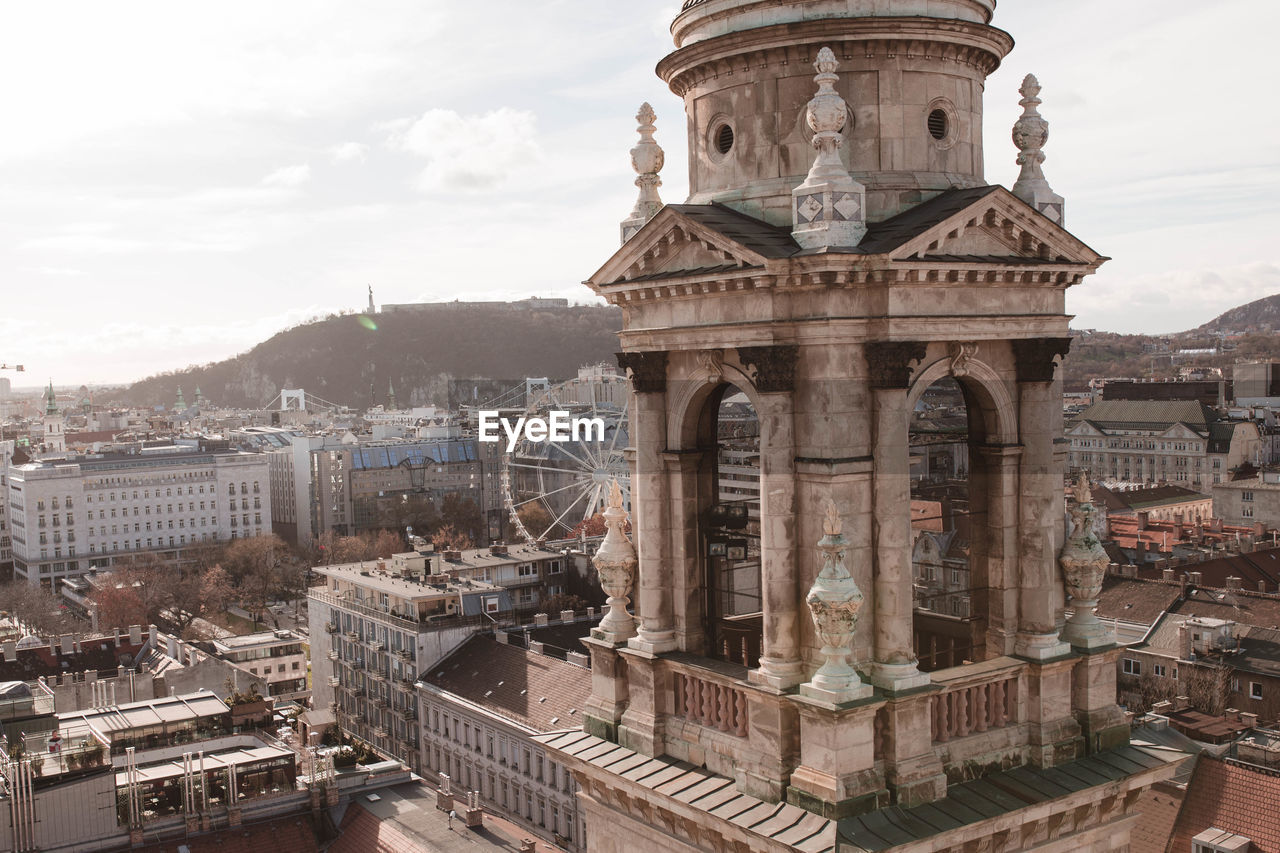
<point x="947" y="527"/>
<point x="729" y="526"/>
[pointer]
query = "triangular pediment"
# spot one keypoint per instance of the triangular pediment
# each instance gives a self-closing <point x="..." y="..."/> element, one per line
<point x="995" y="226"/>
<point x="1084" y="429"/>
<point x="688" y="240"/>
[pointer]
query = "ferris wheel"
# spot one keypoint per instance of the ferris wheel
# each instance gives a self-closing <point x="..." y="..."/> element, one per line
<point x="569" y="481"/>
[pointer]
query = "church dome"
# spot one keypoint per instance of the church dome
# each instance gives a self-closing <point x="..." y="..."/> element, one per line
<point x="912" y="73"/>
<point x="703" y="19"/>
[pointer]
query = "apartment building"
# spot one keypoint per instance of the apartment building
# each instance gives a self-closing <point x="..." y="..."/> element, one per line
<point x="374" y="627"/>
<point x="531" y="573"/>
<point x="345" y="485"/>
<point x="1147" y="441"/>
<point x="274" y="659"/>
<point x="481" y="707"/>
<point x="1249" y="501"/>
<point x="68" y="515"/>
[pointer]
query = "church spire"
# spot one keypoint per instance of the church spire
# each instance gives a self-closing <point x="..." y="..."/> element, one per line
<point x="1030" y="133"/>
<point x="391" y="397"/>
<point x="647" y="159"/>
<point x="51" y="401"/>
<point x="829" y="208"/>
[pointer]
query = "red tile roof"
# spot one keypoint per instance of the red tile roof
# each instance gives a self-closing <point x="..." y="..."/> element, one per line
<point x="1158" y="807"/>
<point x="1231" y="797"/>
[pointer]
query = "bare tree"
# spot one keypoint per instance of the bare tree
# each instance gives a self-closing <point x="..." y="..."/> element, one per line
<point x="1207" y="684"/>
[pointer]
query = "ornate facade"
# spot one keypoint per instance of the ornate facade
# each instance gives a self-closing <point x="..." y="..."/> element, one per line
<point x="831" y="290"/>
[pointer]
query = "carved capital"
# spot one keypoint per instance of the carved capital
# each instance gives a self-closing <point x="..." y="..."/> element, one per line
<point x="775" y="366"/>
<point x="1034" y="357"/>
<point x="648" y="370"/>
<point x="890" y="362"/>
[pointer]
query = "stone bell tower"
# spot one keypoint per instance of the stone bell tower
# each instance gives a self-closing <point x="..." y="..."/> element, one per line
<point x="840" y="251"/>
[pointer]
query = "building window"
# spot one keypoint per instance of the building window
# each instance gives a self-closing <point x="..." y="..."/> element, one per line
<point x="1131" y="667"/>
<point x="1255" y="690"/>
<point x="1244" y="496"/>
<point x="1159" y="669"/>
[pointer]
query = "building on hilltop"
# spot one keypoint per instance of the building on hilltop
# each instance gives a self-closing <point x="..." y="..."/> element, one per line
<point x="1151" y="442"/>
<point x="832" y="291"/>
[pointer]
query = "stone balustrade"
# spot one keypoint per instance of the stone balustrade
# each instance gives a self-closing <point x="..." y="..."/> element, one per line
<point x="974" y="702"/>
<point x="708" y="703"/>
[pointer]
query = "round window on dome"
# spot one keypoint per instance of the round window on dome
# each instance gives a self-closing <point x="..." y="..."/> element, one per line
<point x="938" y="124"/>
<point x="724" y="138"/>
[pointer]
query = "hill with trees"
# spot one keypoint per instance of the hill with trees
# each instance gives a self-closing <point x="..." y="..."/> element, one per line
<point x="351" y="359"/>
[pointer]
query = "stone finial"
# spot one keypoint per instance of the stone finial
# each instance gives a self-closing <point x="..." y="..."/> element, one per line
<point x="1030" y="133"/>
<point x="1084" y="564"/>
<point x="834" y="601"/>
<point x="1083" y="489"/>
<point x="647" y="159"/>
<point x="616" y="564"/>
<point x="828" y="210"/>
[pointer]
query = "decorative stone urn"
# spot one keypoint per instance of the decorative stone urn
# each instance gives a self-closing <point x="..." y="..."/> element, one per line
<point x="834" y="601"/>
<point x="1084" y="564"/>
<point x="616" y="564"/>
<point x="647" y="159"/>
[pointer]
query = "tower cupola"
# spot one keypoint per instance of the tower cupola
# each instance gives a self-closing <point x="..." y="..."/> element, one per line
<point x="911" y="73"/>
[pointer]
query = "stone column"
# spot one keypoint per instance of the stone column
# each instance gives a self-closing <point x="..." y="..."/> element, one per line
<point x="1040" y="498"/>
<point x="890" y="363"/>
<point x="1000" y="551"/>
<point x="780" y="665"/>
<point x="649" y="501"/>
<point x="686" y="565"/>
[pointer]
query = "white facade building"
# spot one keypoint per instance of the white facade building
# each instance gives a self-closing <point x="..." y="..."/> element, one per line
<point x="69" y="515"/>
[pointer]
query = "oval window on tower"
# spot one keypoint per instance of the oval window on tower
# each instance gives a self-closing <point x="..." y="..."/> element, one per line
<point x="938" y="124"/>
<point x="724" y="138"/>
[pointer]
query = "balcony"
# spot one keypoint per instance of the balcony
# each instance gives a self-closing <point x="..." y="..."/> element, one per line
<point x="333" y="681"/>
<point x="408" y="714"/>
<point x="333" y="654"/>
<point x="377" y="645"/>
<point x="381" y="704"/>
<point x="353" y="636"/>
<point x="711" y="703"/>
<point x="404" y="654"/>
<point x="330" y="628"/>
<point x="978" y="719"/>
<point x="380" y="677"/>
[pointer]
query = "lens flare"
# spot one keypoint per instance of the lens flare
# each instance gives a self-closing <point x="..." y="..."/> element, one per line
<point x="368" y="323"/>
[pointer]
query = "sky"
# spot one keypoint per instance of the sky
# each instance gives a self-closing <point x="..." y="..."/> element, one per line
<point x="180" y="181"/>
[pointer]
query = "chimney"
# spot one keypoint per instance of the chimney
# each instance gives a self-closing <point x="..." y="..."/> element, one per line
<point x="135" y="635"/>
<point x="1262" y="586"/>
<point x="541" y="620"/>
<point x="1184" y="642"/>
<point x="171" y="646"/>
<point x="1249" y="719"/>
<point x="528" y="845"/>
<point x="566" y="615"/>
<point x="536" y="647"/>
<point x="1166" y="575"/>
<point x="10" y="652"/>
<point x="1162" y="707"/>
<point x="1195" y="578"/>
<point x="1140" y="551"/>
<point x="68" y="644"/>
<point x="1233" y="582"/>
<point x="1144" y="518"/>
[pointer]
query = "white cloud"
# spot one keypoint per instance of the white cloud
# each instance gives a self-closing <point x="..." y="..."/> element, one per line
<point x="470" y="152"/>
<point x="289" y="176"/>
<point x="348" y="152"/>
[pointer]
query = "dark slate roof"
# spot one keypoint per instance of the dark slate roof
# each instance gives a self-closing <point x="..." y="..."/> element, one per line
<point x="1228" y="796"/>
<point x="892" y="233"/>
<point x="1136" y="600"/>
<point x="770" y="241"/>
<point x="1220" y="434"/>
<point x="1149" y="414"/>
<point x="785" y="824"/>
<point x="1159" y="496"/>
<point x="530" y="689"/>
<point x="990" y="796"/>
<point x="773" y="241"/>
